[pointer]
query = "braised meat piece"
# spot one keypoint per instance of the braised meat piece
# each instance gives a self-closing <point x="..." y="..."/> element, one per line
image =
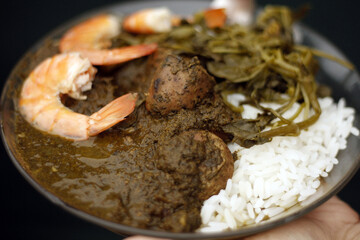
<point x="179" y="82"/>
<point x="199" y="162"/>
<point x="188" y="169"/>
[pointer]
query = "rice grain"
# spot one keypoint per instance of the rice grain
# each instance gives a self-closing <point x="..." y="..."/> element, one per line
<point x="272" y="177"/>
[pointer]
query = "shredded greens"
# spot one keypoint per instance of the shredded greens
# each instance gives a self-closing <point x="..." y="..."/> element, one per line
<point x="261" y="62"/>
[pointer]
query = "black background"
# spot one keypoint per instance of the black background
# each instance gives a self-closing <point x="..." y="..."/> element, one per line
<point x="24" y="213"/>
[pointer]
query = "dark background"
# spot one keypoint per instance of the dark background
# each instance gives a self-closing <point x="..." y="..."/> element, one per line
<point x="24" y="213"/>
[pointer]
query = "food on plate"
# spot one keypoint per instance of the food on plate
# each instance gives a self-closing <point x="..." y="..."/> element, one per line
<point x="272" y="177"/>
<point x="148" y="21"/>
<point x="124" y="174"/>
<point x="179" y="82"/>
<point x="219" y="125"/>
<point x="69" y="74"/>
<point x="212" y="159"/>
<point x="92" y="38"/>
<point x="238" y="11"/>
<point x="215" y="17"/>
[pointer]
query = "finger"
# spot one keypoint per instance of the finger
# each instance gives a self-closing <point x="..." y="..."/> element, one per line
<point x="301" y="229"/>
<point x="333" y="218"/>
<point x="339" y="217"/>
<point x="335" y="210"/>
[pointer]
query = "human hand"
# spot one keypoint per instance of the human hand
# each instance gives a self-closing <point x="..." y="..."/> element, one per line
<point x="332" y="220"/>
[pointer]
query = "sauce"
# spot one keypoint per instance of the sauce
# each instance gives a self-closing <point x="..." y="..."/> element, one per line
<point x="115" y="175"/>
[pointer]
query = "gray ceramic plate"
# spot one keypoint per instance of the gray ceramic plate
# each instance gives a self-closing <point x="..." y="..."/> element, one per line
<point x="345" y="83"/>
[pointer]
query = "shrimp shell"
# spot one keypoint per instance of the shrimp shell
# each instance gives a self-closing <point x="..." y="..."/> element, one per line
<point x="70" y="74"/>
<point x="92" y="38"/>
<point x="148" y="21"/>
<point x="238" y="11"/>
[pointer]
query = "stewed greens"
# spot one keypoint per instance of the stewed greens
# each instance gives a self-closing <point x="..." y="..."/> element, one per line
<point x="262" y="62"/>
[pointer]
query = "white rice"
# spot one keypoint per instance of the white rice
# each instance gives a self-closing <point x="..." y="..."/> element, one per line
<point x="274" y="176"/>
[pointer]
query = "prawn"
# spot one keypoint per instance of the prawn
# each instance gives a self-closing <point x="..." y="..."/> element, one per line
<point x="152" y="20"/>
<point x="69" y="74"/>
<point x="238" y="11"/>
<point x="92" y="38"/>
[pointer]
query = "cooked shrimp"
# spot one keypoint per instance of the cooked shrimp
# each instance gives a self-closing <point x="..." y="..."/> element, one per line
<point x="152" y="20"/>
<point x="238" y="11"/>
<point x="67" y="74"/>
<point x="92" y="39"/>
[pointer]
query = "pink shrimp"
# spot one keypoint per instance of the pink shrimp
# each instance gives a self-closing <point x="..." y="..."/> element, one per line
<point x="92" y="39"/>
<point x="68" y="74"/>
<point x="237" y="11"/>
<point x="148" y="21"/>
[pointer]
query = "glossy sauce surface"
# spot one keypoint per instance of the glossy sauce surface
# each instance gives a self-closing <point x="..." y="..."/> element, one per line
<point x="115" y="175"/>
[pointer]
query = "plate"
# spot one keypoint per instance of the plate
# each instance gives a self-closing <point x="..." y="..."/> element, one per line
<point x="346" y="83"/>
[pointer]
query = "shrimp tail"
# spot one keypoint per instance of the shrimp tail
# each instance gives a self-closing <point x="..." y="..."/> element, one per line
<point x="113" y="113"/>
<point x="119" y="55"/>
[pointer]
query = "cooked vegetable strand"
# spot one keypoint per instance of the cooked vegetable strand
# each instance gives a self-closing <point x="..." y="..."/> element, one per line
<point x="261" y="62"/>
<point x="320" y="53"/>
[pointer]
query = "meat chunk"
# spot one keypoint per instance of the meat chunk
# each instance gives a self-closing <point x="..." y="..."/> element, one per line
<point x="199" y="161"/>
<point x="179" y="82"/>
